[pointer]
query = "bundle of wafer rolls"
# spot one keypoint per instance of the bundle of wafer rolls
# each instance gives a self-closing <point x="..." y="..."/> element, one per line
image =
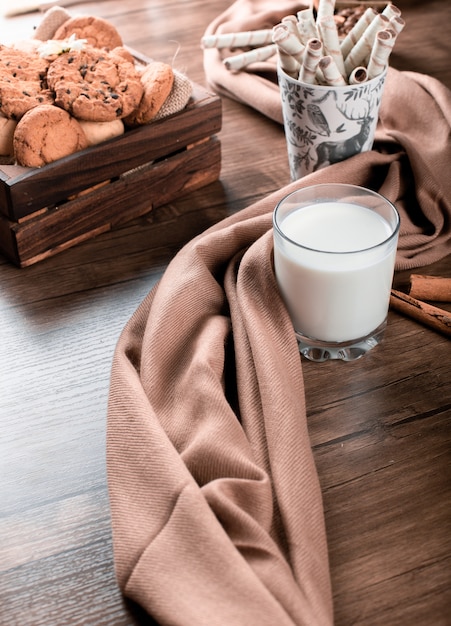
<point x="312" y="45"/>
<point x="413" y="304"/>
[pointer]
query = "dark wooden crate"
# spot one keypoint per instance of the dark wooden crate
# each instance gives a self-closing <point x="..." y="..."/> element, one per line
<point x="48" y="209"/>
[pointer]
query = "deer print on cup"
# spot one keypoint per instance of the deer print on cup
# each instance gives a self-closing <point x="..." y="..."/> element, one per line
<point x="330" y="152"/>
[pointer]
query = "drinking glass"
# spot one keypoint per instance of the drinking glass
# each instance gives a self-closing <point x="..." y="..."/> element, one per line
<point x="334" y="256"/>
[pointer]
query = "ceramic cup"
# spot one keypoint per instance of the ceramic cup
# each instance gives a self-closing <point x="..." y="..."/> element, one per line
<point x="324" y="124"/>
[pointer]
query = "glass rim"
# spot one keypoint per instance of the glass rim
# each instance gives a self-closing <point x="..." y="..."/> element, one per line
<point x="393" y="235"/>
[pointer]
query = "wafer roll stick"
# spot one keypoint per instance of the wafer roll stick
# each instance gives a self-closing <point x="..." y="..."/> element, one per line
<point x="357" y="31"/>
<point x="330" y="72"/>
<point x="287" y="42"/>
<point x="311" y="58"/>
<point x="326" y="8"/>
<point x="306" y="25"/>
<point x="434" y="288"/>
<point x="238" y="61"/>
<point x="391" y="11"/>
<point x="397" y="23"/>
<point x="427" y="314"/>
<point x="238" y="40"/>
<point x="364" y="45"/>
<point x="358" y="75"/>
<point x="382" y="47"/>
<point x="331" y="43"/>
<point x="288" y="63"/>
<point x="291" y="22"/>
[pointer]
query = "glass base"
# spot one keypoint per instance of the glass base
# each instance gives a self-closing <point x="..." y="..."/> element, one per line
<point x="320" y="351"/>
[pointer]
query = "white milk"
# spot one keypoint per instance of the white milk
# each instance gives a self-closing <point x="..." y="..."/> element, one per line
<point x="340" y="289"/>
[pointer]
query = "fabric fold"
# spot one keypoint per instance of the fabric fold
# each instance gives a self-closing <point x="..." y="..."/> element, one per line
<point x="215" y="500"/>
<point x="257" y="86"/>
<point x="219" y="508"/>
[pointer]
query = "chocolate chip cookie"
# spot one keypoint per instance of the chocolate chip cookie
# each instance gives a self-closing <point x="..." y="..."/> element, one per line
<point x="95" y="85"/>
<point x="22" y="82"/>
<point x="21" y="64"/>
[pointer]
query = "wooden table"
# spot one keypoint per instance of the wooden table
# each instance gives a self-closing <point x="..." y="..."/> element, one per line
<point x="380" y="428"/>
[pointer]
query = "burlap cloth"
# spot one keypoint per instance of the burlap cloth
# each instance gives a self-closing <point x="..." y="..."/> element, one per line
<point x="216" y="506"/>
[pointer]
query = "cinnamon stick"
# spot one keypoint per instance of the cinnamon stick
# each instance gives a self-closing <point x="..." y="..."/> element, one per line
<point x="433" y="288"/>
<point x="427" y="314"/>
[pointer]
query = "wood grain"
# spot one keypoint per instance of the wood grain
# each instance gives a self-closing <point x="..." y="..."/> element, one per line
<point x="30" y="189"/>
<point x="134" y="193"/>
<point x="380" y="428"/>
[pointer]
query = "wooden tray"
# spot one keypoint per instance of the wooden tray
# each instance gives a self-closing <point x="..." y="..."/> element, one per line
<point x="49" y="209"/>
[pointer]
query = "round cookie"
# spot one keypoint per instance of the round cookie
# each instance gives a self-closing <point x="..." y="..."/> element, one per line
<point x="95" y="85"/>
<point x="22" y="82"/>
<point x="19" y="96"/>
<point x="157" y="80"/>
<point x="98" y="32"/>
<point x="45" y="134"/>
<point x="96" y="132"/>
<point x="21" y="64"/>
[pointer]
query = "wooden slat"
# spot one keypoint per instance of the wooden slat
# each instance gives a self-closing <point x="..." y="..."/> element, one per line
<point x="132" y="195"/>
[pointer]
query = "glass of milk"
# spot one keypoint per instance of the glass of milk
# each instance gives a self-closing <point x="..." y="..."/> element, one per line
<point x="334" y="256"/>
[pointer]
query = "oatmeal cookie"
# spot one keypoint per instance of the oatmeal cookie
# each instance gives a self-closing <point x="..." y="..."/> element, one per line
<point x="95" y="85"/>
<point x="98" y="32"/>
<point x="45" y="134"/>
<point x="157" y="80"/>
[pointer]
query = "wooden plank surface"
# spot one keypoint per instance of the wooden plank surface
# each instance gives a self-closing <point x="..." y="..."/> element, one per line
<point x="380" y="428"/>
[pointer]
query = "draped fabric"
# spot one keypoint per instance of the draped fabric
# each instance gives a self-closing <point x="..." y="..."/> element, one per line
<point x="216" y="505"/>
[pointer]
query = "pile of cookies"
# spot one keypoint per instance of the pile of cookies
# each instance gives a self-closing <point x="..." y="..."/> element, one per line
<point x="78" y="87"/>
